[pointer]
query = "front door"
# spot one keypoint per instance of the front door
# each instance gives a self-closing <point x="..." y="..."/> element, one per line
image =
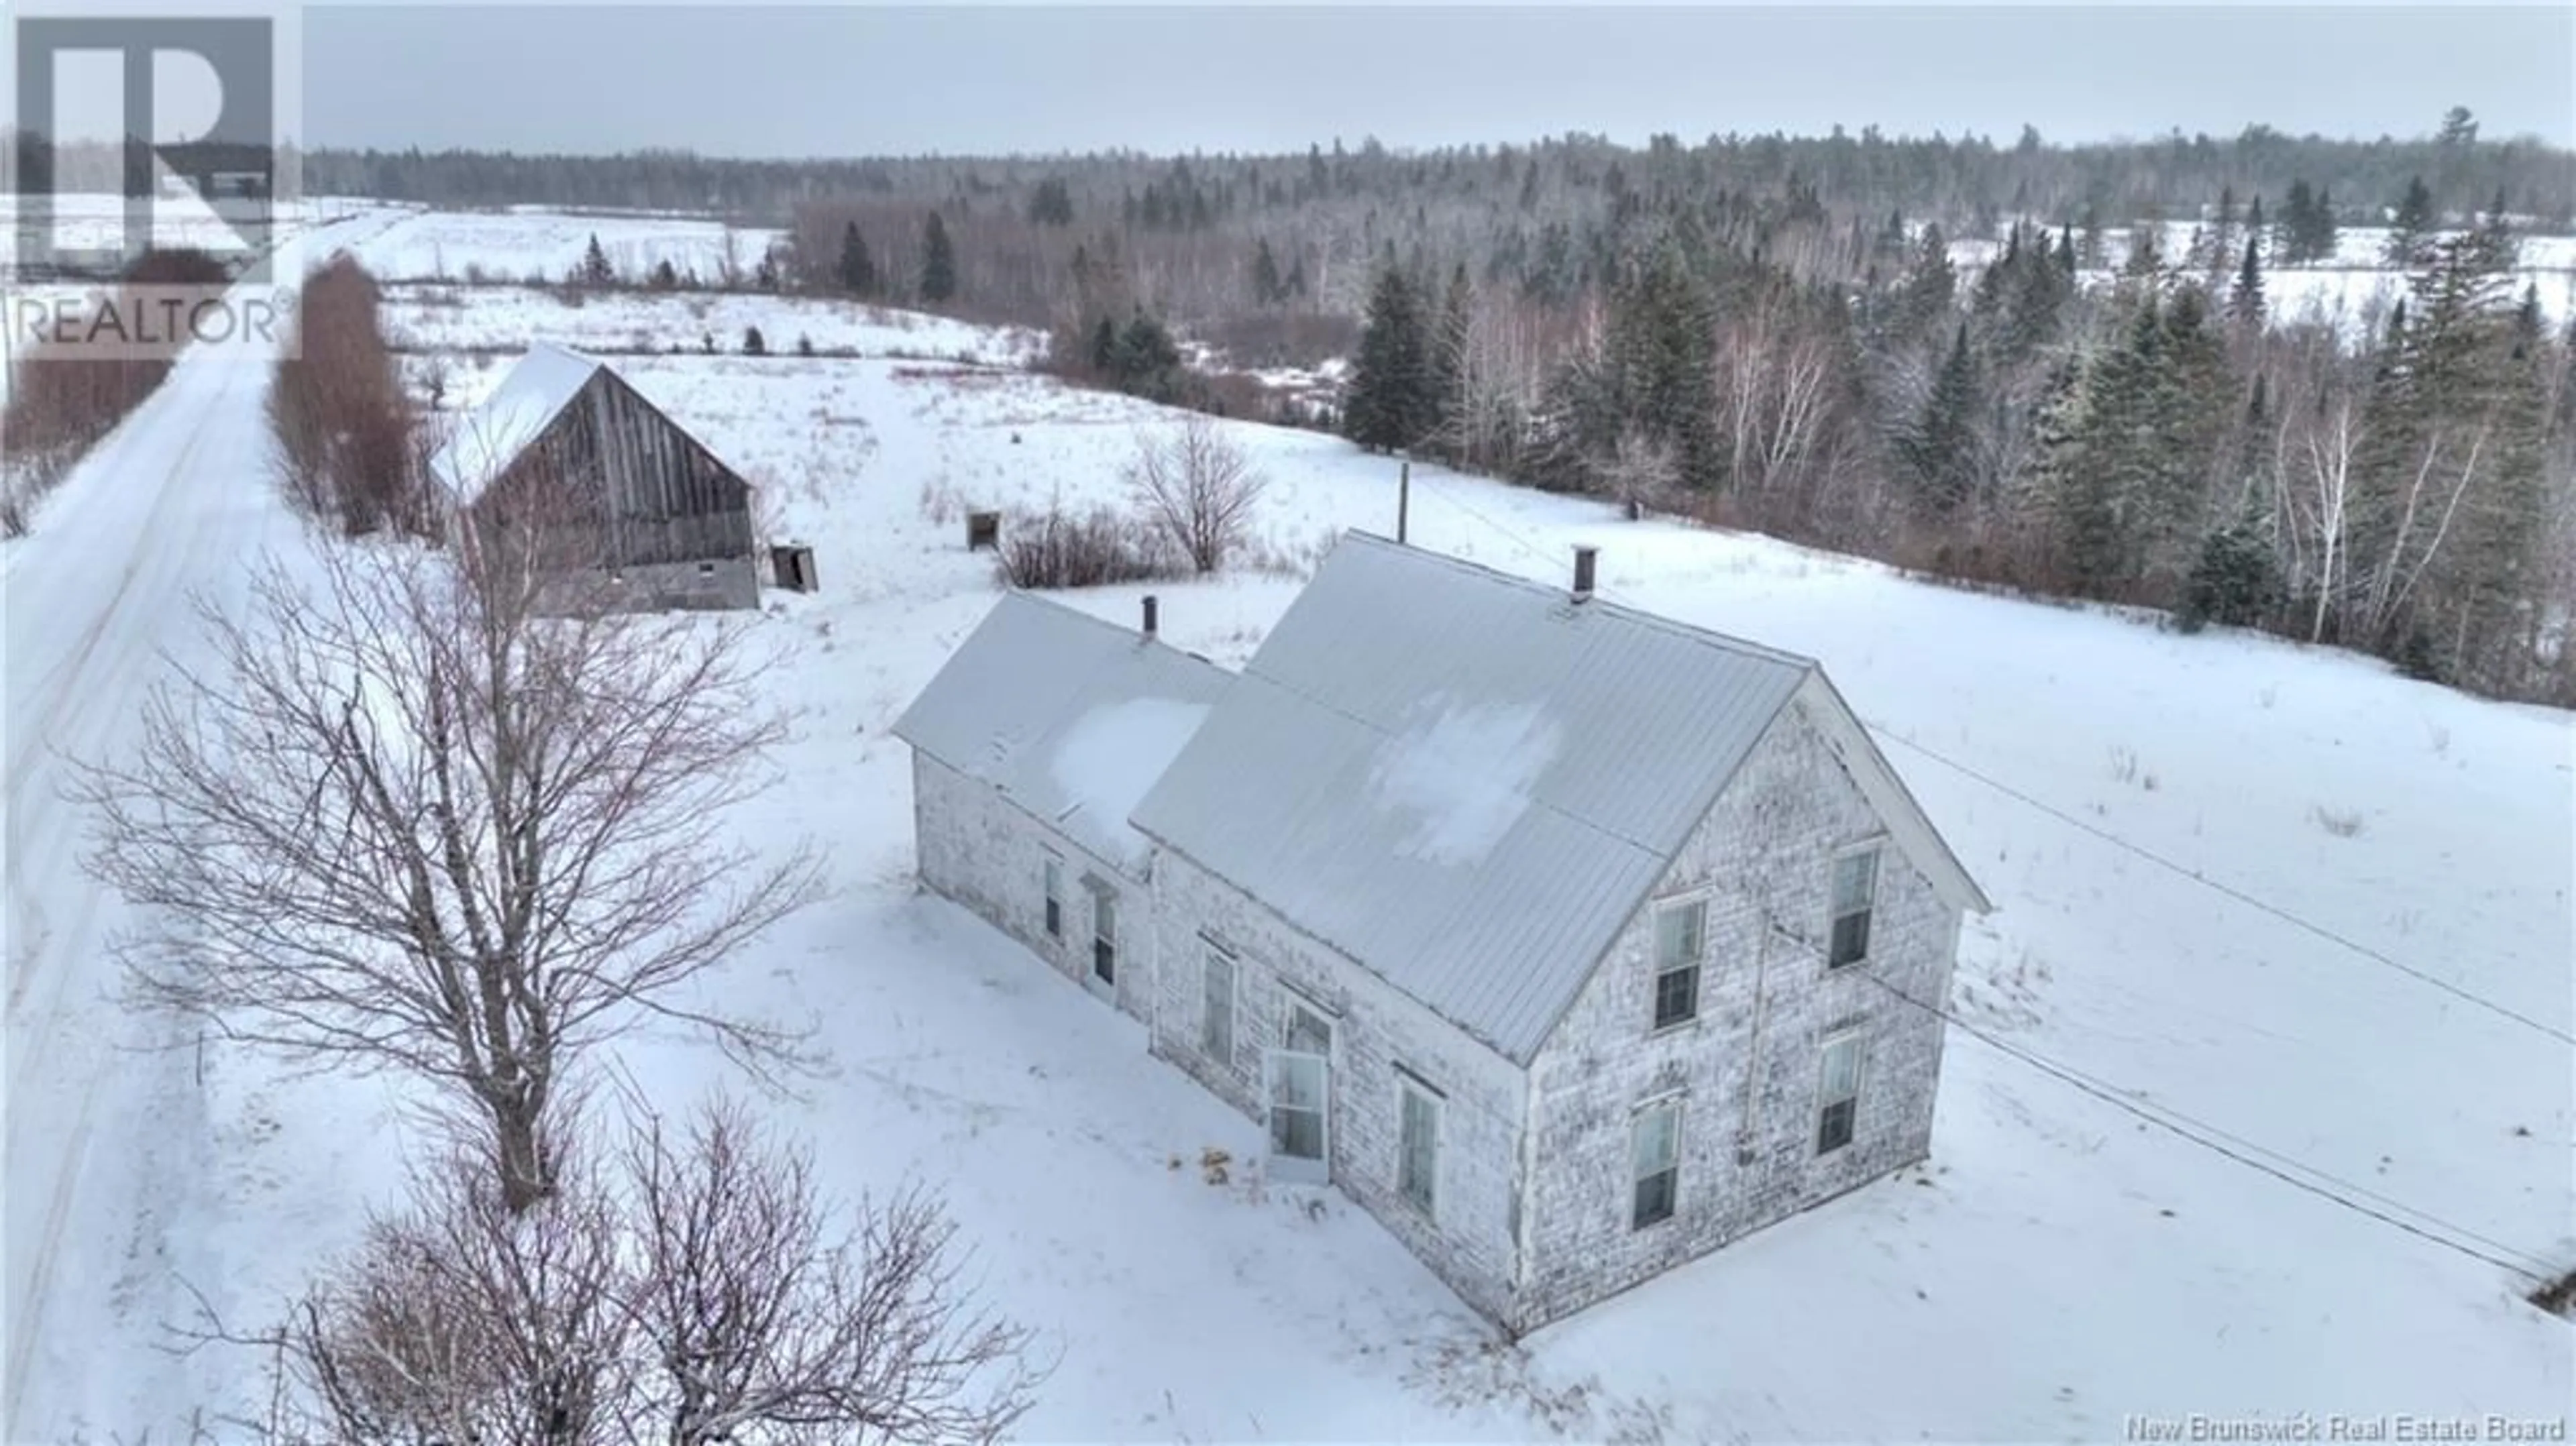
<point x="1300" y="1078"/>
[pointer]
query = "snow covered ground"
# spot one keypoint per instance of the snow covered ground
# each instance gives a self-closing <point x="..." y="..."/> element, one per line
<point x="513" y="244"/>
<point x="2060" y="1266"/>
<point x="2350" y="291"/>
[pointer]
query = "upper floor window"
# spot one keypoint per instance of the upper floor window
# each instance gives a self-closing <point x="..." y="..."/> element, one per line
<point x="1681" y="935"/>
<point x="1855" y="890"/>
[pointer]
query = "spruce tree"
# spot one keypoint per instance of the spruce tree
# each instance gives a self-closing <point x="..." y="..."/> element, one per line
<point x="858" y="270"/>
<point x="595" y="270"/>
<point x="1941" y="449"/>
<point x="1930" y="286"/>
<point x="2291" y="245"/>
<point x="1387" y="401"/>
<point x="1267" y="288"/>
<point x="938" y="261"/>
<point x="2245" y="298"/>
<point x="2410" y="231"/>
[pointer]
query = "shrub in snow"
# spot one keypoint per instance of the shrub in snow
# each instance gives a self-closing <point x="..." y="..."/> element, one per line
<point x="753" y="343"/>
<point x="1059" y="549"/>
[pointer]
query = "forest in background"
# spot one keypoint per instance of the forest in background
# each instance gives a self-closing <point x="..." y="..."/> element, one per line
<point x="1773" y="333"/>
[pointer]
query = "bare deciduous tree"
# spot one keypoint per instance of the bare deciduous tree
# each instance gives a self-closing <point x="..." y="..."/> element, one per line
<point x="409" y="822"/>
<point x="697" y="1294"/>
<point x="763" y="1325"/>
<point x="1198" y="487"/>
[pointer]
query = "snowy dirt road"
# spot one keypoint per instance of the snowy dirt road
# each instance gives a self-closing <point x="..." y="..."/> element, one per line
<point x="171" y="507"/>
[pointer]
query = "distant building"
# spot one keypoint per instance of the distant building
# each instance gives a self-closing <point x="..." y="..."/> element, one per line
<point x="565" y="457"/>
<point x="1569" y="941"/>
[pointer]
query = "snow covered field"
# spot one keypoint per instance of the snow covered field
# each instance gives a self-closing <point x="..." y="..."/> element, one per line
<point x="2060" y="1266"/>
<point x="2351" y="290"/>
<point x="455" y="318"/>
<point x="511" y="245"/>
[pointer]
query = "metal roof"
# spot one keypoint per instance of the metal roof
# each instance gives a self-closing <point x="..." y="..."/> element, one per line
<point x="491" y="437"/>
<point x="1462" y="779"/>
<point x="1072" y="717"/>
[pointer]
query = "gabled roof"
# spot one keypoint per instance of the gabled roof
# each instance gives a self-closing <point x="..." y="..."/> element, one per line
<point x="1070" y="716"/>
<point x="1469" y="783"/>
<point x="491" y="437"/>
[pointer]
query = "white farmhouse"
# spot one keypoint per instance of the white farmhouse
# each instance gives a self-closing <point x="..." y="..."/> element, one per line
<point x="1570" y="941"/>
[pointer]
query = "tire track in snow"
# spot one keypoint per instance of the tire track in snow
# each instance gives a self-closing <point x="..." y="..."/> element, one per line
<point x="181" y="496"/>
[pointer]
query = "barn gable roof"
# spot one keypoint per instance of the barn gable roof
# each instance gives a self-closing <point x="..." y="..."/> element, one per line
<point x="1469" y="783"/>
<point x="491" y="437"/>
<point x="1070" y="716"/>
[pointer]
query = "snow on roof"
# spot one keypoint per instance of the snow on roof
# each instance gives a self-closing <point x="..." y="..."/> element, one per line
<point x="1464" y="780"/>
<point x="490" y="437"/>
<point x="1072" y="717"/>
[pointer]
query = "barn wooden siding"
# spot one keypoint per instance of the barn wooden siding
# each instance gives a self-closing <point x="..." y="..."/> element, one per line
<point x="668" y="499"/>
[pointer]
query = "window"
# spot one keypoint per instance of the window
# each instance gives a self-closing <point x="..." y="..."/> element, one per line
<point x="1855" y="882"/>
<point x="1216" y="1022"/>
<point x="1104" y="936"/>
<point x="1417" y="1152"/>
<point x="1054" y="897"/>
<point x="1656" y="1153"/>
<point x="1680" y="932"/>
<point x="1838" y="1094"/>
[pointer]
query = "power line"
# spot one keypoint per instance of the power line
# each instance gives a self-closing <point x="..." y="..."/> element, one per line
<point x="2320" y="931"/>
<point x="2233" y="1147"/>
<point x="2229" y="890"/>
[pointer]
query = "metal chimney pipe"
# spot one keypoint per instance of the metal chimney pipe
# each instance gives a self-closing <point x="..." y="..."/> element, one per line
<point x="1583" y="570"/>
<point x="1152" y="620"/>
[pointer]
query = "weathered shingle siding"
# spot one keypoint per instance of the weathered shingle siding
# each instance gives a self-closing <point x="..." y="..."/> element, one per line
<point x="1469" y="1242"/>
<point x="1748" y="1145"/>
<point x="977" y="847"/>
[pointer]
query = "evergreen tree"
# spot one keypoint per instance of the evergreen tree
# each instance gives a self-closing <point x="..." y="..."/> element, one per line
<point x="665" y="276"/>
<point x="1388" y="401"/>
<point x="858" y="270"/>
<point x="2322" y="227"/>
<point x="2234" y="579"/>
<point x="753" y="343"/>
<point x="1051" y="204"/>
<point x="1267" y="288"/>
<point x="2290" y="246"/>
<point x="1941" y="449"/>
<point x="1930" y="286"/>
<point x="2245" y="298"/>
<point x="595" y="270"/>
<point x="2410" y="231"/>
<point x="938" y="261"/>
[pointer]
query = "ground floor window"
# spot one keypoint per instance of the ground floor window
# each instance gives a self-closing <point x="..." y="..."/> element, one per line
<point x="1054" y="897"/>
<point x="1655" y="1154"/>
<point x="1838" y="1093"/>
<point x="1216" y="1020"/>
<point x="1417" y="1155"/>
<point x="1104" y="935"/>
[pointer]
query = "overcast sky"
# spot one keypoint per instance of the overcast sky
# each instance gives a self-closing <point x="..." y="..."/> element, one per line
<point x="816" y="80"/>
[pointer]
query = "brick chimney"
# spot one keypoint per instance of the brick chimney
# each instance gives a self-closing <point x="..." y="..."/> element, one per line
<point x="1584" y="557"/>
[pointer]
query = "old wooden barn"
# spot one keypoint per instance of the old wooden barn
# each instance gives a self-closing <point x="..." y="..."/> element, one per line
<point x="569" y="457"/>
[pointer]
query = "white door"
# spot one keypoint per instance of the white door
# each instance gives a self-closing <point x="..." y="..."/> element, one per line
<point x="1300" y="1075"/>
